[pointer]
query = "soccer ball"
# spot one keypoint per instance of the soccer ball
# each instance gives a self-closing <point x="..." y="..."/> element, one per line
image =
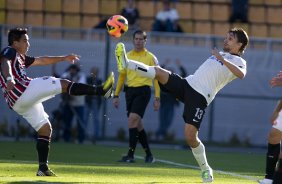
<point x="117" y="25"/>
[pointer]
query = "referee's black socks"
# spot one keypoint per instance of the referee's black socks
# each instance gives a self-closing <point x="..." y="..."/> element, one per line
<point x="133" y="138"/>
<point x="144" y="142"/>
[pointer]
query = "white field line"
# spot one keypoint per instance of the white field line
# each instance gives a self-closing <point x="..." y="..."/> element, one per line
<point x="195" y="167"/>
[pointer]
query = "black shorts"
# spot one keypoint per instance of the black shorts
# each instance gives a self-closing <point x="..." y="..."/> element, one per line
<point x="194" y="103"/>
<point x="137" y="99"/>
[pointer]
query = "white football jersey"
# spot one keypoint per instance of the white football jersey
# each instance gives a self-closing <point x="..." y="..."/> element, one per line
<point x="213" y="75"/>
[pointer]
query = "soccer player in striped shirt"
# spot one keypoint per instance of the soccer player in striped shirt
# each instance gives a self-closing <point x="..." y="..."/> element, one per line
<point x="25" y="95"/>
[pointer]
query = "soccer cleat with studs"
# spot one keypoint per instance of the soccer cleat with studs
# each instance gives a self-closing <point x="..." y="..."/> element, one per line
<point x="45" y="173"/>
<point x="207" y="176"/>
<point x="109" y="85"/>
<point x="121" y="57"/>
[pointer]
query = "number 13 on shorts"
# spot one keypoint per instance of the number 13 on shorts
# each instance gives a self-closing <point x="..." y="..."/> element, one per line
<point x="198" y="115"/>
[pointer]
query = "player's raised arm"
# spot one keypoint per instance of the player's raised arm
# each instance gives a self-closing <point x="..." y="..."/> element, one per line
<point x="232" y="67"/>
<point x="47" y="60"/>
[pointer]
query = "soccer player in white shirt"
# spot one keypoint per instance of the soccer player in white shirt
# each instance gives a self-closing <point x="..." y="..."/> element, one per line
<point x="198" y="90"/>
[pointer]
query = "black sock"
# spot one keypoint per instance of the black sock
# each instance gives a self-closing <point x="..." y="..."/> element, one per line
<point x="133" y="138"/>
<point x="84" y="89"/>
<point x="277" y="179"/>
<point x="144" y="142"/>
<point x="271" y="159"/>
<point x="280" y="164"/>
<point x="43" y="146"/>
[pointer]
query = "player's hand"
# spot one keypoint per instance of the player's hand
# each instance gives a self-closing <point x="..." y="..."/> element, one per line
<point x="273" y="118"/>
<point x="156" y="104"/>
<point x="276" y="81"/>
<point x="215" y="52"/>
<point x="72" y="58"/>
<point x="116" y="102"/>
<point x="10" y="84"/>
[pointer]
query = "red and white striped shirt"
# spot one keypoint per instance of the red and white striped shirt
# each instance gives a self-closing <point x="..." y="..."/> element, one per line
<point x="19" y="63"/>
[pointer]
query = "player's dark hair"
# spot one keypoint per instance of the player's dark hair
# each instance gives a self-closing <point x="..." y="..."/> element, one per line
<point x="140" y="32"/>
<point x="242" y="37"/>
<point x="15" y="34"/>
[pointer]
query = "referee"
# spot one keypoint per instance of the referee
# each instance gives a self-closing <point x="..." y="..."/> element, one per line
<point x="137" y="95"/>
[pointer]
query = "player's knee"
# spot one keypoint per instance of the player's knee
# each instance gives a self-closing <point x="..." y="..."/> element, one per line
<point x="274" y="137"/>
<point x="133" y="121"/>
<point x="158" y="70"/>
<point x="65" y="83"/>
<point x="45" y="130"/>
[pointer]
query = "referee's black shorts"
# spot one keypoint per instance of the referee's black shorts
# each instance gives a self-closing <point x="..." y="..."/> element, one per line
<point x="194" y="103"/>
<point x="137" y="99"/>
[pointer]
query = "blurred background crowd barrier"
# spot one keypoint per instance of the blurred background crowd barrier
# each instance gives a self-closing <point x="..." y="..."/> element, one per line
<point x="240" y="113"/>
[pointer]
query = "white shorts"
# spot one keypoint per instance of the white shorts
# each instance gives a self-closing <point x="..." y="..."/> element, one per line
<point x="279" y="122"/>
<point x="29" y="105"/>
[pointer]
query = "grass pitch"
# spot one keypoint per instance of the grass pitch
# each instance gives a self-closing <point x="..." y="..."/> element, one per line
<point x="75" y="163"/>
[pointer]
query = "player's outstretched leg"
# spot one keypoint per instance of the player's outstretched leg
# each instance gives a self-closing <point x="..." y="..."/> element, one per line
<point x="121" y="57"/>
<point x="108" y="85"/>
<point x="124" y="63"/>
<point x="106" y="89"/>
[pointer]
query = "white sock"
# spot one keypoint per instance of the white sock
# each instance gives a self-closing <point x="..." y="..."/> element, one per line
<point x="200" y="156"/>
<point x="141" y="69"/>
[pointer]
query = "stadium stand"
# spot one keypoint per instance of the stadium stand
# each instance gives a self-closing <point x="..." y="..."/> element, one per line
<point x="31" y="5"/>
<point x="196" y="16"/>
<point x="71" y="6"/>
<point x="90" y="7"/>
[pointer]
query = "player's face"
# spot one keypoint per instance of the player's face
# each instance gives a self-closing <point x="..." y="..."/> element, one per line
<point x="139" y="42"/>
<point x="231" y="44"/>
<point x="23" y="44"/>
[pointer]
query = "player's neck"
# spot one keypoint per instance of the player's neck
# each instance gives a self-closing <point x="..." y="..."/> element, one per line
<point x="235" y="53"/>
<point x="139" y="49"/>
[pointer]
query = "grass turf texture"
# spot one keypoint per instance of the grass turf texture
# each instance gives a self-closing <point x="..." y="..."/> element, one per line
<point x="98" y="164"/>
